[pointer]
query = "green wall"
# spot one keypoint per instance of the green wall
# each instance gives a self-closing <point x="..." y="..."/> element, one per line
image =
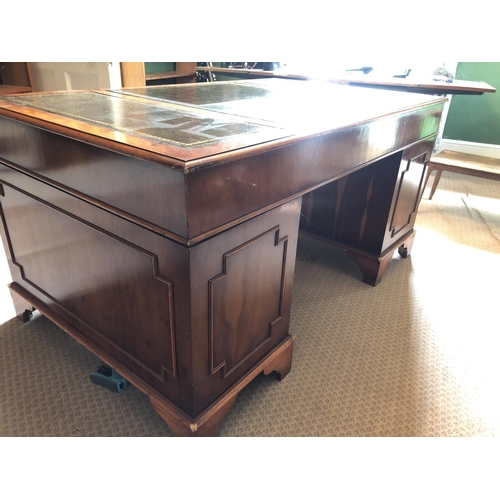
<point x="157" y="67"/>
<point x="475" y="118"/>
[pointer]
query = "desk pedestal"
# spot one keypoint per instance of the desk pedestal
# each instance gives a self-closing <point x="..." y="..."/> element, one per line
<point x="189" y="326"/>
<point x="371" y="212"/>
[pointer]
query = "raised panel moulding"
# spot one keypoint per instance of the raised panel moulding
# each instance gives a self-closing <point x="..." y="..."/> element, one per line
<point x="169" y="363"/>
<point x="261" y="279"/>
<point x="412" y="188"/>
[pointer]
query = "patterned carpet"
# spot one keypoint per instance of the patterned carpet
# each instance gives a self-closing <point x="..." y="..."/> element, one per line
<point x="415" y="356"/>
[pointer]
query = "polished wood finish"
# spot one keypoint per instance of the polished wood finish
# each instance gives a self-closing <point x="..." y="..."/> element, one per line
<point x="422" y="86"/>
<point x="371" y="212"/>
<point x="131" y="292"/>
<point x="425" y="86"/>
<point x="159" y="226"/>
<point x="133" y="74"/>
<point x="15" y="73"/>
<point x="463" y="163"/>
<point x="206" y="424"/>
<point x="13" y="89"/>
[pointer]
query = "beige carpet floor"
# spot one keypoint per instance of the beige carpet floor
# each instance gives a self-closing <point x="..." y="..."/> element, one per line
<point x="415" y="356"/>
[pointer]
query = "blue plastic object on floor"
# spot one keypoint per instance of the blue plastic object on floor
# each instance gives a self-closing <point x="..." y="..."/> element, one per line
<point x="109" y="378"/>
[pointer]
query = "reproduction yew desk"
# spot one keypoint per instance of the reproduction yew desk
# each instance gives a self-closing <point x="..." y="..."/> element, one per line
<point x="158" y="225"/>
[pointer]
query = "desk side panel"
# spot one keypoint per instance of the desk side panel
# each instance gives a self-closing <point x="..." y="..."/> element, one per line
<point x="408" y="191"/>
<point x="241" y="288"/>
<point x="187" y="323"/>
<point x="120" y="288"/>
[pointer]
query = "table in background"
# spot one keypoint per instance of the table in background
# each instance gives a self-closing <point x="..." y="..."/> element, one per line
<point x="371" y="80"/>
<point x="13" y="89"/>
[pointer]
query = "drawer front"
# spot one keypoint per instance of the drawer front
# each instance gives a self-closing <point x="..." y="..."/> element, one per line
<point x="142" y="191"/>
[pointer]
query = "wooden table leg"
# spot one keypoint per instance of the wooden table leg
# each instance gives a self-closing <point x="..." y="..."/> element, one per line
<point x="372" y="267"/>
<point x="435" y="183"/>
<point x="405" y="249"/>
<point x="207" y="424"/>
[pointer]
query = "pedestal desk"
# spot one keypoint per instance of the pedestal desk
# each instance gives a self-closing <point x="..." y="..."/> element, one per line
<point x="158" y="226"/>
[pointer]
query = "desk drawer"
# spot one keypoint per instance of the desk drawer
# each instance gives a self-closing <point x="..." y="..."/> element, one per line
<point x="145" y="192"/>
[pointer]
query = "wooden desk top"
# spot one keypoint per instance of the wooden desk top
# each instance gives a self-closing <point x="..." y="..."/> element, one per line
<point x="195" y="125"/>
<point x="423" y="86"/>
